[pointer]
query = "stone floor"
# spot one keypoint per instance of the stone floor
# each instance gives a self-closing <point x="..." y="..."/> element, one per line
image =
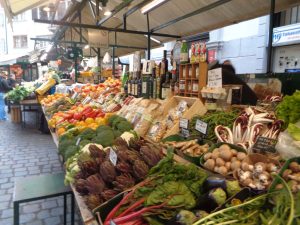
<point x="26" y="152"/>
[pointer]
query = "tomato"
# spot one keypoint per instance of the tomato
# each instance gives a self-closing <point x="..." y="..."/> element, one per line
<point x="77" y="116"/>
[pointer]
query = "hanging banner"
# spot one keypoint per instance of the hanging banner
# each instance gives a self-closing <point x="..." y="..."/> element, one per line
<point x="98" y="38"/>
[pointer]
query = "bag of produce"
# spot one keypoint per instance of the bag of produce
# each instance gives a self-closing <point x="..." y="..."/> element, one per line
<point x="286" y="146"/>
<point x="46" y="86"/>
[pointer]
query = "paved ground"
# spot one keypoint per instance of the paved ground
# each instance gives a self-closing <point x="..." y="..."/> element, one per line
<point x="26" y="152"/>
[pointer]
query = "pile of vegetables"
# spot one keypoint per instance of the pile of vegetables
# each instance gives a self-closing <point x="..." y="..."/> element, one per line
<point x="99" y="178"/>
<point x="213" y="119"/>
<point x="172" y="194"/>
<point x="19" y="93"/>
<point x="191" y="147"/>
<point x="73" y="140"/>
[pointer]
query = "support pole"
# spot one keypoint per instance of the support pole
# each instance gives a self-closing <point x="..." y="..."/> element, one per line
<point x="113" y="56"/>
<point x="124" y="22"/>
<point x="149" y="38"/>
<point x="99" y="63"/>
<point x="80" y="29"/>
<point x="270" y="48"/>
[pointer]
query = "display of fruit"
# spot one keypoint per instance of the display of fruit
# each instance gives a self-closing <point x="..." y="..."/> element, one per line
<point x="50" y="99"/>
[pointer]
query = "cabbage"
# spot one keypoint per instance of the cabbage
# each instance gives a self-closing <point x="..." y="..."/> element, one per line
<point x="294" y="130"/>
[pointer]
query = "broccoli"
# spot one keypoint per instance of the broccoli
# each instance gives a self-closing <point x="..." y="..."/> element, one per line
<point x="63" y="145"/>
<point x="102" y="128"/>
<point x="87" y="134"/>
<point x="112" y="119"/>
<point x="117" y="133"/>
<point x="105" y="138"/>
<point x="124" y="126"/>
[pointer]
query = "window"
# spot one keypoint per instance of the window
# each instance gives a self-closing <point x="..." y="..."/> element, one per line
<point x="20" y="17"/>
<point x="2" y="46"/>
<point x="20" y="41"/>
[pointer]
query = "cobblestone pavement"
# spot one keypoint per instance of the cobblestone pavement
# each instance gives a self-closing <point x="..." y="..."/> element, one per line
<point x="26" y="152"/>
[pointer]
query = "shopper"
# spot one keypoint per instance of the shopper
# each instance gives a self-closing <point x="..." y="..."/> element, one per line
<point x="12" y="83"/>
<point x="4" y="87"/>
<point x="229" y="77"/>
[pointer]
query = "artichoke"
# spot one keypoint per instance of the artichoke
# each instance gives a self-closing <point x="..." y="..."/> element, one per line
<point x="123" y="182"/>
<point x="97" y="153"/>
<point x="80" y="187"/>
<point x="95" y="184"/>
<point x="108" y="194"/>
<point x="120" y="142"/>
<point x="124" y="167"/>
<point x="136" y="144"/>
<point x="140" y="169"/>
<point x="93" y="201"/>
<point x="88" y="168"/>
<point x="149" y="156"/>
<point x="107" y="171"/>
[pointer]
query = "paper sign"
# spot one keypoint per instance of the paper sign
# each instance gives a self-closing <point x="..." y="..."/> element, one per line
<point x="214" y="78"/>
<point x="113" y="157"/>
<point x="201" y="126"/>
<point x="78" y="141"/>
<point x="185" y="132"/>
<point x="264" y="145"/>
<point x="183" y="123"/>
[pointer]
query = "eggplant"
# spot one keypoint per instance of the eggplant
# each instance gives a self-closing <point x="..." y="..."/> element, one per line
<point x="214" y="181"/>
<point x="212" y="199"/>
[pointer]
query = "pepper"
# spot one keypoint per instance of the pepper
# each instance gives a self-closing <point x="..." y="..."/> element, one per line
<point x="87" y="110"/>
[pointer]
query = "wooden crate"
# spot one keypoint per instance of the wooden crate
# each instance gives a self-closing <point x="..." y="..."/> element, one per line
<point x="195" y="107"/>
<point x="15" y="114"/>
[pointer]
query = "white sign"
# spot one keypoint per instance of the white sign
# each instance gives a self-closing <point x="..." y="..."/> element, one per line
<point x="98" y="38"/>
<point x="214" y="78"/>
<point x="78" y="141"/>
<point x="113" y="156"/>
<point x="201" y="126"/>
<point x="286" y="35"/>
<point x="183" y="123"/>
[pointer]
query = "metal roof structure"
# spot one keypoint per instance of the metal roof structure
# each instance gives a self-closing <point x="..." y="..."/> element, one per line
<point x="169" y="21"/>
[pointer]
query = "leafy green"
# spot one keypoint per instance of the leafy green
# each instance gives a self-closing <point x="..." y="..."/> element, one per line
<point x="18" y="94"/>
<point x="289" y="109"/>
<point x="175" y="193"/>
<point x="294" y="131"/>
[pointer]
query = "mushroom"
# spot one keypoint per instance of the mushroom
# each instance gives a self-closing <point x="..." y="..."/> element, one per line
<point x="245" y="166"/>
<point x="264" y="179"/>
<point x="243" y="175"/>
<point x="216" y="169"/>
<point x="294" y="166"/>
<point x="286" y="174"/>
<point x="224" y="147"/>
<point x="228" y="165"/>
<point x="235" y="165"/>
<point x="259" y="186"/>
<point x="241" y="156"/>
<point x="223" y="170"/>
<point x="225" y="154"/>
<point x="271" y="167"/>
<point x="259" y="168"/>
<point x="210" y="164"/>
<point x="295" y="177"/>
<point x="220" y="162"/>
<point x="207" y="156"/>
<point x="293" y="185"/>
<point x="247" y="182"/>
<point x="279" y="186"/>
<point x="215" y="154"/>
<point x="233" y="159"/>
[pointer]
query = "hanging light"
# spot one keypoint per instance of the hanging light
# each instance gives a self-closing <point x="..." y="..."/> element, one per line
<point x="152" y="5"/>
<point x="86" y="47"/>
<point x="107" y="13"/>
<point x="106" y="58"/>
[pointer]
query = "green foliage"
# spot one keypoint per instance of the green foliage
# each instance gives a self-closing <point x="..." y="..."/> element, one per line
<point x="18" y="94"/>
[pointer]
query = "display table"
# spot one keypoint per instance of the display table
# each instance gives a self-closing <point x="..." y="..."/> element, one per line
<point x="86" y="214"/>
<point x="31" y="105"/>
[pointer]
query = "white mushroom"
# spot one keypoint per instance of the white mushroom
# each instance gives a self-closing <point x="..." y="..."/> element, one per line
<point x="264" y="179"/>
<point x="243" y="175"/>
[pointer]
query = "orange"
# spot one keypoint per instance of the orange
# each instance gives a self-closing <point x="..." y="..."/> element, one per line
<point x="60" y="131"/>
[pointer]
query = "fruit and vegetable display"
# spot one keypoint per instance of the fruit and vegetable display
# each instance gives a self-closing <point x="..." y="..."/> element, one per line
<point x="19" y="93"/>
<point x="100" y="173"/>
<point x="131" y="164"/>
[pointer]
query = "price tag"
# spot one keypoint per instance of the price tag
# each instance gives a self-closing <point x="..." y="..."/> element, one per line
<point x="201" y="126"/>
<point x="264" y="145"/>
<point x="78" y="141"/>
<point x="75" y="95"/>
<point x="113" y="157"/>
<point x="185" y="133"/>
<point x="111" y="222"/>
<point x="183" y="123"/>
<point x="86" y="100"/>
<point x="214" y="78"/>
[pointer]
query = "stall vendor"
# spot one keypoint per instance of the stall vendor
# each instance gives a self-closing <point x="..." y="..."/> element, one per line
<point x="230" y="78"/>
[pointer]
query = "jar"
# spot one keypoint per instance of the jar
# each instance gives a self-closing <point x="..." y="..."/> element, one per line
<point x="190" y="72"/>
<point x="195" y="86"/>
<point x="197" y="72"/>
<point x="184" y="72"/>
<point x="182" y="85"/>
<point x="190" y="88"/>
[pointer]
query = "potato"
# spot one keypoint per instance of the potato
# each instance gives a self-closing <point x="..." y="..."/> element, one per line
<point x="235" y="165"/>
<point x="226" y="154"/>
<point x="210" y="164"/>
<point x="220" y="162"/>
<point x="207" y="156"/>
<point x="241" y="156"/>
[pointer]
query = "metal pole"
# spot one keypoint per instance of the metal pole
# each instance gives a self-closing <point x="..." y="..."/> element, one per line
<point x="124" y="22"/>
<point x="99" y="63"/>
<point x="113" y="56"/>
<point x="270" y="48"/>
<point x="80" y="29"/>
<point x="149" y="38"/>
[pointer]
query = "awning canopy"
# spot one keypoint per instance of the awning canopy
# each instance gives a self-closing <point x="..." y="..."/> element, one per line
<point x="175" y="17"/>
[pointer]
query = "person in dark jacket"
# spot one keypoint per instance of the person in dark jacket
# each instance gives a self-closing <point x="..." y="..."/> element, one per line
<point x="4" y="87"/>
<point x="229" y="77"/>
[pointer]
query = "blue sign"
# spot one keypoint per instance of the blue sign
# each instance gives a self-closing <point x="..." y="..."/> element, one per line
<point x="286" y="35"/>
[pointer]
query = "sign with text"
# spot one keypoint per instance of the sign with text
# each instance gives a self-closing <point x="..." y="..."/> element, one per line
<point x="185" y="132"/>
<point x="183" y="123"/>
<point x="264" y="145"/>
<point x="201" y="126"/>
<point x="214" y="78"/>
<point x="113" y="157"/>
<point x="98" y="38"/>
<point x="286" y="35"/>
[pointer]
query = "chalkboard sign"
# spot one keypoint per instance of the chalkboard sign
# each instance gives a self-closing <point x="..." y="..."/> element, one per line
<point x="264" y="145"/>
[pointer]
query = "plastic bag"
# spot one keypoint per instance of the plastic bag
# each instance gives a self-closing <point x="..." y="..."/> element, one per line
<point x="286" y="146"/>
<point x="61" y="88"/>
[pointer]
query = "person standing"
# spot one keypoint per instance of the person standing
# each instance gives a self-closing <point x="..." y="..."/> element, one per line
<point x="4" y="87"/>
<point x="12" y="83"/>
